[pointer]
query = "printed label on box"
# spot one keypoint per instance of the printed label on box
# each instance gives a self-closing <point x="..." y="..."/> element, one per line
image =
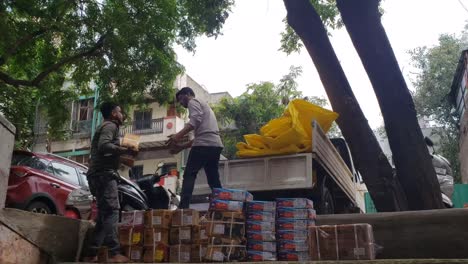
<point x="187" y="220"/>
<point x="184" y="234"/>
<point x="157" y="220"/>
<point x="135" y="255"/>
<point x="359" y="251"/>
<point x="218" y="256"/>
<point x="136" y="237"/>
<point x="203" y="234"/>
<point x="218" y="229"/>
<point x="157" y="236"/>
<point x="159" y="255"/>
<point x="184" y="256"/>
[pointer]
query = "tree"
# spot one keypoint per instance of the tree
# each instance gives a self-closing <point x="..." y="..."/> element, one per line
<point x="370" y="160"/>
<point x="259" y="104"/>
<point x="436" y="66"/>
<point x="125" y="47"/>
<point x="410" y="154"/>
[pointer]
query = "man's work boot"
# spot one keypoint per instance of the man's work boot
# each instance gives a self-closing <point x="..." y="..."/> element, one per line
<point x="119" y="258"/>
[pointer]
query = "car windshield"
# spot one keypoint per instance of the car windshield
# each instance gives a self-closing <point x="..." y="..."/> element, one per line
<point x="30" y="161"/>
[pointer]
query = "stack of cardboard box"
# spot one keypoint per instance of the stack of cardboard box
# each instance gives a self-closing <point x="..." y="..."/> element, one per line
<point x="131" y="228"/>
<point x="294" y="217"/>
<point x="187" y="237"/>
<point x="342" y="242"/>
<point x="261" y="238"/>
<point x="156" y="235"/>
<point x="225" y="225"/>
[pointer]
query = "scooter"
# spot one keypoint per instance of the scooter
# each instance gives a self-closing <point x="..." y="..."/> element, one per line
<point x="153" y="191"/>
<point x="444" y="174"/>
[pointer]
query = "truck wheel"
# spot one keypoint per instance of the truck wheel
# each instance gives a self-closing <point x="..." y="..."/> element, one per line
<point x="39" y="207"/>
<point x="326" y="204"/>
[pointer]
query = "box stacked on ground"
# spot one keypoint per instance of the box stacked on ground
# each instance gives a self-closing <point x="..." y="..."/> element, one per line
<point x="225" y="225"/>
<point x="294" y="217"/>
<point x="342" y="242"/>
<point x="261" y="228"/>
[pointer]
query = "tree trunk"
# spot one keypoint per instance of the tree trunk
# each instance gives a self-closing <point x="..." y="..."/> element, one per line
<point x="412" y="160"/>
<point x="368" y="156"/>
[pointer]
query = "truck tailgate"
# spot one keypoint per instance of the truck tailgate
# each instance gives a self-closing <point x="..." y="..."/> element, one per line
<point x="262" y="174"/>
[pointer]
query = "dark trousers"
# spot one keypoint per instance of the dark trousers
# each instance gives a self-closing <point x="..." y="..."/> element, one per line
<point x="103" y="186"/>
<point x="200" y="157"/>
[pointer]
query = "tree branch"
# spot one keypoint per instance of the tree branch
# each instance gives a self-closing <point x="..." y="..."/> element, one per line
<point x="41" y="76"/>
<point x="12" y="50"/>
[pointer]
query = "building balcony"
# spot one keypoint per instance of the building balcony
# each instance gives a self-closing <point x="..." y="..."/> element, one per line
<point x="144" y="127"/>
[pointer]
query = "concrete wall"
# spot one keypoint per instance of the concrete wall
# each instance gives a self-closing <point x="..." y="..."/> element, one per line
<point x="7" y="134"/>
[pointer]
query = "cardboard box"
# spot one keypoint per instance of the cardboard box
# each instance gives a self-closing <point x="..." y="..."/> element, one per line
<point x="294" y="224"/>
<point x="226" y="216"/>
<point x="156" y="253"/>
<point x="154" y="236"/>
<point x="292" y="213"/>
<point x="253" y="255"/>
<point x="180" y="235"/>
<point x="198" y="253"/>
<point x="134" y="253"/>
<point x="261" y="206"/>
<point x="199" y="235"/>
<point x="297" y="203"/>
<point x="132" y="218"/>
<point x="131" y="236"/>
<point x="131" y="141"/>
<point x="263" y="216"/>
<point x="261" y="236"/>
<point x="225" y="253"/>
<point x="231" y="195"/>
<point x="291" y="235"/>
<point x="180" y="253"/>
<point x="225" y="229"/>
<point x="292" y="245"/>
<point x="260" y="226"/>
<point x="268" y="246"/>
<point x="342" y="242"/>
<point x="185" y="217"/>
<point x="293" y="256"/>
<point x="224" y="205"/>
<point x="158" y="218"/>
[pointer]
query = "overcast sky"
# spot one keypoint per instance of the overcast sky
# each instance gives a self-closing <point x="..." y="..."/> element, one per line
<point x="248" y="50"/>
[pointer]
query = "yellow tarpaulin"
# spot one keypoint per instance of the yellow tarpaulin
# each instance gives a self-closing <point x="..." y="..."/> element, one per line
<point x="291" y="133"/>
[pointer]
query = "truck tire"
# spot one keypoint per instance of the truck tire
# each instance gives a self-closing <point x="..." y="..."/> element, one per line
<point x="326" y="204"/>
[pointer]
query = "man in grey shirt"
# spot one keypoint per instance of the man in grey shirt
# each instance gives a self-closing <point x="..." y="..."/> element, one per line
<point x="206" y="145"/>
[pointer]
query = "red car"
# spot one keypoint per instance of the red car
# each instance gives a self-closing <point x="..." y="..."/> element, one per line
<point x="42" y="182"/>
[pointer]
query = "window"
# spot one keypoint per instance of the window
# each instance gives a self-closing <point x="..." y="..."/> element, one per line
<point x="136" y="172"/>
<point x="85" y="109"/>
<point x="66" y="173"/>
<point x="84" y="180"/>
<point x="142" y="120"/>
<point x="82" y="159"/>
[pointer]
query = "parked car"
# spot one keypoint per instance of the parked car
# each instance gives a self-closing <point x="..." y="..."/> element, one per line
<point x="42" y="182"/>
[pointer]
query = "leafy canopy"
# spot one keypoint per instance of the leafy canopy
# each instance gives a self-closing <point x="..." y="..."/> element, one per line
<point x="125" y="46"/>
<point x="436" y="67"/>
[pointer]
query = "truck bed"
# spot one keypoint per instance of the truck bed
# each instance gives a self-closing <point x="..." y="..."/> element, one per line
<point x="285" y="172"/>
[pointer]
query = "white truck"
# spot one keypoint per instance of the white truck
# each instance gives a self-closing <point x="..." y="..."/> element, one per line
<point x="327" y="176"/>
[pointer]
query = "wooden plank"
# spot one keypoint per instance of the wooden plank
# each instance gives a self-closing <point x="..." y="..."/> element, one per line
<point x="435" y="234"/>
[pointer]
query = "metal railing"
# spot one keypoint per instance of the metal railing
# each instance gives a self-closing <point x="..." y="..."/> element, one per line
<point x="142" y="127"/>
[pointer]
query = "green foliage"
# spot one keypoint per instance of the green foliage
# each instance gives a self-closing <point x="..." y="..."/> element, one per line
<point x="125" y="46"/>
<point x="260" y="103"/>
<point x="436" y="67"/>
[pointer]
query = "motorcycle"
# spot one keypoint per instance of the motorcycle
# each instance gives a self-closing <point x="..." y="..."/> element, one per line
<point x="444" y="174"/>
<point x="152" y="191"/>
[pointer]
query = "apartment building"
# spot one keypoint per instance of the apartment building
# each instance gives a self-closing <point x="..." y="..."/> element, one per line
<point x="154" y="124"/>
